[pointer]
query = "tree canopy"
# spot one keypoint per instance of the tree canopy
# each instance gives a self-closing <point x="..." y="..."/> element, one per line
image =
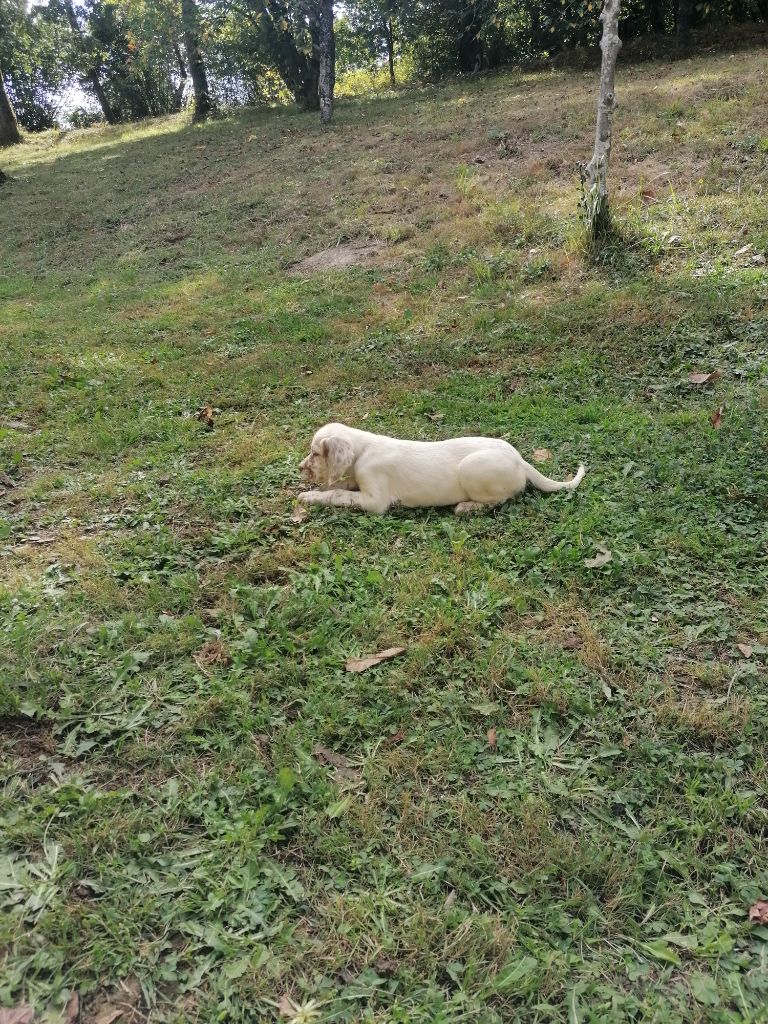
<point x="72" y="61"/>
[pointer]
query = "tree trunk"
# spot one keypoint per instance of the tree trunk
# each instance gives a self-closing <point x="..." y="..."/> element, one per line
<point x="595" y="175"/>
<point x="298" y="69"/>
<point x="656" y="21"/>
<point x="92" y="77"/>
<point x="178" y="92"/>
<point x="98" y="91"/>
<point x="683" y="28"/>
<point x="9" y="128"/>
<point x="327" y="79"/>
<point x="390" y="37"/>
<point x="203" y="103"/>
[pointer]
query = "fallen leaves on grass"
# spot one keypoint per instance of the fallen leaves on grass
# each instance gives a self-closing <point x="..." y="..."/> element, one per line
<point x="745" y="649"/>
<point x="109" y="1015"/>
<point x="716" y="419"/>
<point x="327" y="756"/>
<point x="21" y="1014"/>
<point x="213" y="652"/>
<point x="572" y="643"/>
<point x="299" y="514"/>
<point x="758" y="912"/>
<point x="395" y="738"/>
<point x="491" y="737"/>
<point x="704" y="378"/>
<point x="40" y="538"/>
<point x="205" y="415"/>
<point x="603" y="557"/>
<point x="72" y="1011"/>
<point x="361" y="664"/>
<point x="542" y="455"/>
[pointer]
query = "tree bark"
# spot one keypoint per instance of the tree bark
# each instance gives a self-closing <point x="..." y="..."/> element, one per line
<point x="299" y="70"/>
<point x="390" y="37"/>
<point x="9" y="128"/>
<point x="596" y="172"/>
<point x="327" y="79"/>
<point x="91" y="77"/>
<point x="683" y="27"/>
<point x="203" y="103"/>
<point x="656" y="21"/>
<point x="178" y="93"/>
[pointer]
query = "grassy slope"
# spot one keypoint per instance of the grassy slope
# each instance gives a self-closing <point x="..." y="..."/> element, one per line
<point x="173" y="652"/>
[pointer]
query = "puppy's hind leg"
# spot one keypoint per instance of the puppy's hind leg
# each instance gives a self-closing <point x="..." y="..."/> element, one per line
<point x="466" y="508"/>
<point x="489" y="477"/>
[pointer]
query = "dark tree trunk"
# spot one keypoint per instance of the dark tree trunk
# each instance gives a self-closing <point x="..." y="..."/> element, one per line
<point x="300" y="71"/>
<point x="327" y="47"/>
<point x="92" y="77"/>
<point x="470" y="55"/>
<point x="178" y="93"/>
<point x="656" y="19"/>
<point x="684" y="20"/>
<point x="203" y="103"/>
<point x="9" y="128"/>
<point x="390" y="37"/>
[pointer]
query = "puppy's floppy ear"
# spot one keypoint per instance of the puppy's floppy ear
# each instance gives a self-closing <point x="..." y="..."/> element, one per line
<point x="339" y="458"/>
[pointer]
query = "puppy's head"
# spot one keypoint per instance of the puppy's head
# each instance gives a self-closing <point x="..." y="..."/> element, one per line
<point x="330" y="459"/>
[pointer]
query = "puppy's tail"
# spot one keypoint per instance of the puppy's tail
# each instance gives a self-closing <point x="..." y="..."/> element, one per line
<point x="543" y="483"/>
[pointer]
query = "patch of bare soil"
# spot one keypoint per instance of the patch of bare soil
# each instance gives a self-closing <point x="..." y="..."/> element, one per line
<point x="25" y="746"/>
<point x="340" y="257"/>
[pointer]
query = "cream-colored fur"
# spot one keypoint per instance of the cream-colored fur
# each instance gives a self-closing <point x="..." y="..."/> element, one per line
<point x="355" y="469"/>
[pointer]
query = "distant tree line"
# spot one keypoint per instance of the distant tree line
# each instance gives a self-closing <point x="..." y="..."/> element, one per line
<point x="134" y="59"/>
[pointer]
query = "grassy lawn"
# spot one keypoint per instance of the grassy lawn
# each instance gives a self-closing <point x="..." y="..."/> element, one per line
<point x="553" y="806"/>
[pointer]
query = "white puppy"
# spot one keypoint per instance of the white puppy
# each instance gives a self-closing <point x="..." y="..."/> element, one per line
<point x="355" y="469"/>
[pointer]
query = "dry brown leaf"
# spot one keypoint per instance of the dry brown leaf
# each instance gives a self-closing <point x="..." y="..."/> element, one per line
<point x="6" y="480"/>
<point x="205" y="415"/>
<point x="395" y="738"/>
<point x="286" y="1006"/>
<point x="603" y="557"/>
<point x="213" y="652"/>
<point x="361" y="664"/>
<point x="745" y="649"/>
<point x="542" y="455"/>
<point x="716" y="419"/>
<point x="704" y="378"/>
<point x="21" y="1014"/>
<point x="72" y="1012"/>
<point x="40" y="538"/>
<point x="327" y="756"/>
<point x="491" y="736"/>
<point x="299" y="514"/>
<point x="758" y="912"/>
<point x="109" y="1014"/>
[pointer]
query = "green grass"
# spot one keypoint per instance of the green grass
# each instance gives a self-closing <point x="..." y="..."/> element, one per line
<point x="172" y="644"/>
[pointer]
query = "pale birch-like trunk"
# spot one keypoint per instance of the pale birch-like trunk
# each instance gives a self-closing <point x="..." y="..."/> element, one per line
<point x="327" y="48"/>
<point x="596" y="172"/>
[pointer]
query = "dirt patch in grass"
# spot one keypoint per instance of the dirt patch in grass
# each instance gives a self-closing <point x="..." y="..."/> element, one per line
<point x="25" y="743"/>
<point x="340" y="257"/>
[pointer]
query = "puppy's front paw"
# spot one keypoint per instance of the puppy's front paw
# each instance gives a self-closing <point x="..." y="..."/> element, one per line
<point x="310" y="497"/>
